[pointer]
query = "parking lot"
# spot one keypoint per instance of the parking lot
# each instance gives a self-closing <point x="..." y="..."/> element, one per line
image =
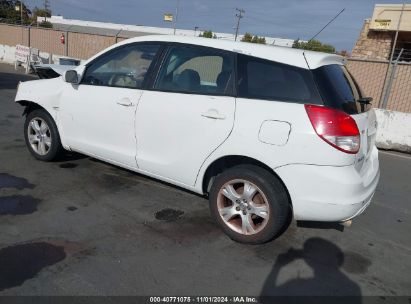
<point x="83" y="227"/>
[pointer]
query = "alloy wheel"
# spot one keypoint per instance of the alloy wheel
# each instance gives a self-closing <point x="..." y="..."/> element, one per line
<point x="243" y="207"/>
<point x="39" y="136"/>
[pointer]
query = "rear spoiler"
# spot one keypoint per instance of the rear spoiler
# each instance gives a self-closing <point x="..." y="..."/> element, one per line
<point x="317" y="59"/>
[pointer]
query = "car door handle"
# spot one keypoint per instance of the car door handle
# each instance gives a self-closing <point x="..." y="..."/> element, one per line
<point x="125" y="102"/>
<point x="213" y="114"/>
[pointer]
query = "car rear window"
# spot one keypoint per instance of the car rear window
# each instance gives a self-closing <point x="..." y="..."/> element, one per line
<point x="265" y="79"/>
<point x="339" y="89"/>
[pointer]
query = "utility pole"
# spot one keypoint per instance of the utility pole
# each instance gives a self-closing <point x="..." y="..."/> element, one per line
<point x="385" y="94"/>
<point x="176" y="17"/>
<point x="46" y="9"/>
<point x="396" y="33"/>
<point x="239" y="15"/>
<point x="21" y="22"/>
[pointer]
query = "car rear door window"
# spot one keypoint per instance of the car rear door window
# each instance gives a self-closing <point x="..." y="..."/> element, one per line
<point x="339" y="89"/>
<point x="125" y="67"/>
<point x="197" y="70"/>
<point x="264" y="79"/>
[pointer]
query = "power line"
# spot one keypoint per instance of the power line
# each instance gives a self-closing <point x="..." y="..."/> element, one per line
<point x="239" y="15"/>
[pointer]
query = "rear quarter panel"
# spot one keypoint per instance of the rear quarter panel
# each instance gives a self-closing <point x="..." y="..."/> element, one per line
<point x="303" y="146"/>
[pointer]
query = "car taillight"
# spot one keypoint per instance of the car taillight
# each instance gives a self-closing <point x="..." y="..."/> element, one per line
<point x="335" y="127"/>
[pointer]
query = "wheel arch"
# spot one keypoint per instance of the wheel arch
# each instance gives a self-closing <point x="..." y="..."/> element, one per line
<point x="35" y="111"/>
<point x="30" y="106"/>
<point x="226" y="162"/>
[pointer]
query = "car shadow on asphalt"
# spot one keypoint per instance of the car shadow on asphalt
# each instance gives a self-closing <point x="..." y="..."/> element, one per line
<point x="325" y="260"/>
<point x="132" y="174"/>
<point x="321" y="225"/>
<point x="68" y="156"/>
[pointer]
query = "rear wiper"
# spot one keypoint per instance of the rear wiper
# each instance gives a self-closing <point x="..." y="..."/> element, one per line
<point x="365" y="100"/>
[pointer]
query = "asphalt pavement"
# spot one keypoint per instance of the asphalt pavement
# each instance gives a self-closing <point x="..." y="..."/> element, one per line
<point x="83" y="227"/>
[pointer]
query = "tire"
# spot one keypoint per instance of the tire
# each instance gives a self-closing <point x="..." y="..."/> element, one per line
<point x="254" y="216"/>
<point x="41" y="136"/>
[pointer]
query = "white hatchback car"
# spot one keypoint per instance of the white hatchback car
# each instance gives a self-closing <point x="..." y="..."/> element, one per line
<point x="266" y="132"/>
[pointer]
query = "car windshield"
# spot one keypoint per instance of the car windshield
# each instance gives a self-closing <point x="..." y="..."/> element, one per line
<point x="339" y="89"/>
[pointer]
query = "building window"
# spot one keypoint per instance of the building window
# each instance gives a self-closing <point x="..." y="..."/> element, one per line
<point x="404" y="44"/>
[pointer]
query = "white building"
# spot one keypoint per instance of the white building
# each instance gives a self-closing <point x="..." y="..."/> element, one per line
<point x="59" y="22"/>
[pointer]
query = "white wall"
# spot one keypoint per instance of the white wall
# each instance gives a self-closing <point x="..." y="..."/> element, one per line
<point x="7" y="55"/>
<point x="157" y="30"/>
<point x="394" y="130"/>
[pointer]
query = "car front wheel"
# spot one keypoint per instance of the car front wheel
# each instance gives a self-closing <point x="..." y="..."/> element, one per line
<point x="41" y="135"/>
<point x="249" y="203"/>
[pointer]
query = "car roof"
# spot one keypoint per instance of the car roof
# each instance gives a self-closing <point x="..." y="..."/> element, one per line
<point x="286" y="55"/>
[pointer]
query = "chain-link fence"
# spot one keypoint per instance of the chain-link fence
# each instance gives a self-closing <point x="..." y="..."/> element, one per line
<point x="76" y="44"/>
<point x="390" y="88"/>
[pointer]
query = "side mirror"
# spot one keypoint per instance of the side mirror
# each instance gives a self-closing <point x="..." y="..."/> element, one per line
<point x="71" y="77"/>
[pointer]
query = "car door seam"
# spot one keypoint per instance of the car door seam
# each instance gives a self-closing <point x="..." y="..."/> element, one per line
<point x="229" y="134"/>
<point x="135" y="127"/>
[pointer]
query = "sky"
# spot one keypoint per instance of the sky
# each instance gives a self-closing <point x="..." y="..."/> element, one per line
<point x="275" y="18"/>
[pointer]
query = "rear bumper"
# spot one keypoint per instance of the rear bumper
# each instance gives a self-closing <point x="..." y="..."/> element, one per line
<point x="330" y="194"/>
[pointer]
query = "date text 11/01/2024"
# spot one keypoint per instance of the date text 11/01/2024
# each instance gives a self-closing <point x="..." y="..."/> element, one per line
<point x="199" y="299"/>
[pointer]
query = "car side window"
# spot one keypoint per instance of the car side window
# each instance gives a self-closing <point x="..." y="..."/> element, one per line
<point x="265" y="79"/>
<point x="125" y="67"/>
<point x="197" y="70"/>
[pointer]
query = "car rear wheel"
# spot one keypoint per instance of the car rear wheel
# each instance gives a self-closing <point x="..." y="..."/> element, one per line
<point x="41" y="135"/>
<point x="249" y="203"/>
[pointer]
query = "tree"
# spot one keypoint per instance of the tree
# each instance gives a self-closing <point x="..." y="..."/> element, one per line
<point x="45" y="24"/>
<point x="10" y="12"/>
<point x="253" y="39"/>
<point x="38" y="12"/>
<point x="260" y="40"/>
<point x="344" y="53"/>
<point x="208" y="34"/>
<point x="247" y="37"/>
<point x="313" y="45"/>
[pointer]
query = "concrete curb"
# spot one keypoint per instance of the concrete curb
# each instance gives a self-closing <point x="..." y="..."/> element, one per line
<point x="394" y="130"/>
<point x="7" y="53"/>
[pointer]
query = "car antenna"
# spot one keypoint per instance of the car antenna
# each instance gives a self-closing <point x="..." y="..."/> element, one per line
<point x="327" y="24"/>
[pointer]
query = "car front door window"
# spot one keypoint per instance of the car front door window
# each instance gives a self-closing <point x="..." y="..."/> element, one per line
<point x="125" y="67"/>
